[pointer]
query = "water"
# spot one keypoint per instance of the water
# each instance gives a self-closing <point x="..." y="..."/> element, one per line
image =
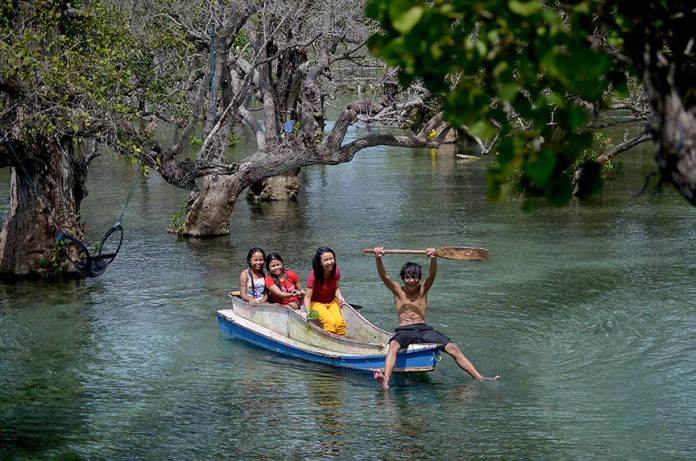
<point x="588" y="313"/>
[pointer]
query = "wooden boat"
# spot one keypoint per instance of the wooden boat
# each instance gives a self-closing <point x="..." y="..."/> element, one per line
<point x="283" y="330"/>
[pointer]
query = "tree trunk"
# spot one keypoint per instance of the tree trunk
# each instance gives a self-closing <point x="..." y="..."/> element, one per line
<point x="209" y="213"/>
<point x="28" y="245"/>
<point x="676" y="140"/>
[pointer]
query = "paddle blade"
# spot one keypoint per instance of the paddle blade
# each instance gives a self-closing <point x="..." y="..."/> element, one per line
<point x="463" y="253"/>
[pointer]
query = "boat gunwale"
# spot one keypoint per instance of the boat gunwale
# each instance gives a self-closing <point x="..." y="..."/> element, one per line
<point x="241" y="308"/>
<point x="228" y="315"/>
<point x="284" y="340"/>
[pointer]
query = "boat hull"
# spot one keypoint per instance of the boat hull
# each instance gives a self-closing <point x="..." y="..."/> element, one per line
<point x="282" y="330"/>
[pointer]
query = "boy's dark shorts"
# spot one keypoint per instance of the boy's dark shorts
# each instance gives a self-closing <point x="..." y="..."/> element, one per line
<point x="419" y="333"/>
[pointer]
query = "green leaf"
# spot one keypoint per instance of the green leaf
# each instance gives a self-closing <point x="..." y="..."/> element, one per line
<point x="483" y="129"/>
<point x="559" y="191"/>
<point x="577" y="116"/>
<point x="481" y="47"/>
<point x="508" y="91"/>
<point x="375" y="9"/>
<point x="405" y="21"/>
<point x="590" y="180"/>
<point x="556" y="99"/>
<point x="540" y="166"/>
<point x="435" y="51"/>
<point x="582" y="8"/>
<point x="525" y="8"/>
<point x="621" y="89"/>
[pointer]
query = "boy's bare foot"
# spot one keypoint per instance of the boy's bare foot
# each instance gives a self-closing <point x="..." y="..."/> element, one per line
<point x="379" y="377"/>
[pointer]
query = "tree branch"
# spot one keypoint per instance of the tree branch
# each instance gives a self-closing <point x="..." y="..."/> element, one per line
<point x="646" y="135"/>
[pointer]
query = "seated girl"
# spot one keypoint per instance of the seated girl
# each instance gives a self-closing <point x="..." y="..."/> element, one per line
<point x="323" y="293"/>
<point x="283" y="285"/>
<point x="252" y="287"/>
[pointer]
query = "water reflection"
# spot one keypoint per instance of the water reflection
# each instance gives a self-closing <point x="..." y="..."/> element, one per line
<point x="422" y="411"/>
<point x="327" y="393"/>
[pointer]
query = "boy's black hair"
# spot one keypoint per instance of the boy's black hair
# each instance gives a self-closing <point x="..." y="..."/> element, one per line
<point x="413" y="269"/>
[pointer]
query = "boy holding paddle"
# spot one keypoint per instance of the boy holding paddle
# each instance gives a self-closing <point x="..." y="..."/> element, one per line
<point x="410" y="301"/>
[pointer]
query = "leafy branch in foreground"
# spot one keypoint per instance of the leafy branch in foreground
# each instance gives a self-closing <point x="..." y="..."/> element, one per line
<point x="539" y="72"/>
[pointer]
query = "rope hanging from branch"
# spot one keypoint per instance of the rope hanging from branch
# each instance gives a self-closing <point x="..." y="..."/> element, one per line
<point x="89" y="265"/>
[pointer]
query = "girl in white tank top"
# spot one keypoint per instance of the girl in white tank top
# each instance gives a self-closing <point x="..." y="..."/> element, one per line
<point x="252" y="284"/>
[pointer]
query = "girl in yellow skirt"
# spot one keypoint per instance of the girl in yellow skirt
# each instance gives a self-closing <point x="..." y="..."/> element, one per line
<point x="323" y="293"/>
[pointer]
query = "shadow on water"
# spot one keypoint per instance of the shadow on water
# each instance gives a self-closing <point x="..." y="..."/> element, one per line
<point x="43" y="397"/>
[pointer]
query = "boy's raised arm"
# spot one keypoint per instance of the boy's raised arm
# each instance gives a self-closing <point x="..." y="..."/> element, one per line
<point x="391" y="284"/>
<point x="432" y="272"/>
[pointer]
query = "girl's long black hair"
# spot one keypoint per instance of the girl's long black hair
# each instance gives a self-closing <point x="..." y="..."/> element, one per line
<point x="318" y="268"/>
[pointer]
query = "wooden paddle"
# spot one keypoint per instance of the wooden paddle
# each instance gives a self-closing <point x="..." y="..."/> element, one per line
<point x="460" y="253"/>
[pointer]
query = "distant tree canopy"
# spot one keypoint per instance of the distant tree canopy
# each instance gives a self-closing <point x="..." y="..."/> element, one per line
<point x="66" y="71"/>
<point x="534" y="73"/>
<point x="77" y="74"/>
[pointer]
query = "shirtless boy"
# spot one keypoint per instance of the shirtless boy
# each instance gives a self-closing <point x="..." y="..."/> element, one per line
<point x="410" y="301"/>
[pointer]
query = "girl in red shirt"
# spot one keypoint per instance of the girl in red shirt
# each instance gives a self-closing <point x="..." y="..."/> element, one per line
<point x="283" y="285"/>
<point x="323" y="293"/>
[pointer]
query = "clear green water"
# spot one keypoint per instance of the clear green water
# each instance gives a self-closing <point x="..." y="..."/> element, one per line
<point x="588" y="313"/>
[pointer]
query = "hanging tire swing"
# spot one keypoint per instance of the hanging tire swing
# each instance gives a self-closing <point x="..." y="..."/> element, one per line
<point x="87" y="264"/>
<point x="94" y="265"/>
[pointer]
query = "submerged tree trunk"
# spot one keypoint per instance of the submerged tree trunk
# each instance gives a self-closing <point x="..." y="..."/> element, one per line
<point x="209" y="213"/>
<point x="28" y="245"/>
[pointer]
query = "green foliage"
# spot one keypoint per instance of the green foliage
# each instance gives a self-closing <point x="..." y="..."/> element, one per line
<point x="504" y="61"/>
<point x="241" y="40"/>
<point x="7" y="13"/>
<point x="528" y="185"/>
<point x="167" y="56"/>
<point x="297" y="127"/>
<point x="233" y="140"/>
<point x="67" y="65"/>
<point x="601" y="142"/>
<point x="50" y="263"/>
<point x="177" y="222"/>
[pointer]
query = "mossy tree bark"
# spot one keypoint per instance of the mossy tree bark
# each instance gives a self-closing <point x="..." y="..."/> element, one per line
<point x="28" y="240"/>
